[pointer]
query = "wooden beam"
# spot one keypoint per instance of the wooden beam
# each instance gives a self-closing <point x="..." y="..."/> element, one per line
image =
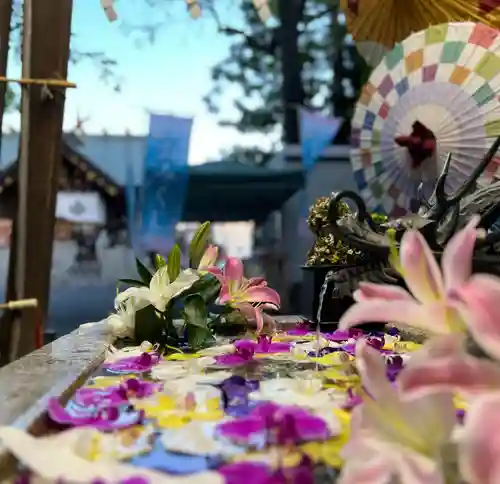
<point x="46" y="38"/>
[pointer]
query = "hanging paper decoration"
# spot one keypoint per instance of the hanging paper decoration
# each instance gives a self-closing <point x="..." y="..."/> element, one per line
<point x="435" y="93"/>
<point x="194" y="8"/>
<point x="109" y="10"/>
<point x="263" y="9"/>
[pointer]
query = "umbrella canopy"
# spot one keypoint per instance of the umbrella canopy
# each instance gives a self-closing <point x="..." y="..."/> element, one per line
<point x="377" y="25"/>
<point x="230" y="191"/>
<point x="437" y="92"/>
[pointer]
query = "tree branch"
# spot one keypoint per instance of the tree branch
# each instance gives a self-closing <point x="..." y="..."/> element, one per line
<point x="251" y="41"/>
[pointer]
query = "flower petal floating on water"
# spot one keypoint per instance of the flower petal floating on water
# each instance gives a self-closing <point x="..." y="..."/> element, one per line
<point x="129" y="388"/>
<point x="235" y="392"/>
<point x="100" y="417"/>
<point x="133" y="364"/>
<point x="94" y="445"/>
<point x="306" y="392"/>
<point x="198" y="438"/>
<point x="245" y="350"/>
<point x="160" y="459"/>
<point x="170" y="412"/>
<point x="54" y="458"/>
<point x="270" y="424"/>
<point x="172" y="370"/>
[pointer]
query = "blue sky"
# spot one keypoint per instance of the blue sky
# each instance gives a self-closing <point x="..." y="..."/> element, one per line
<point x="170" y="75"/>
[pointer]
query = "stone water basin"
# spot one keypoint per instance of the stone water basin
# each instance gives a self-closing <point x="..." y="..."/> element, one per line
<point x="267" y="411"/>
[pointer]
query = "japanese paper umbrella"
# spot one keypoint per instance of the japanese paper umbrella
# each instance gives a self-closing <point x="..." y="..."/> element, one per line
<point x="437" y="92"/>
<point x="377" y="25"/>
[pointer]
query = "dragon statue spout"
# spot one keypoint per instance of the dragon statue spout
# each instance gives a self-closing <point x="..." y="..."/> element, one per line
<point x="437" y="219"/>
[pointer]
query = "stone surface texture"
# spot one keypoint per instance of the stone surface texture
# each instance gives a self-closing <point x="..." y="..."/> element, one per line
<point x="55" y="370"/>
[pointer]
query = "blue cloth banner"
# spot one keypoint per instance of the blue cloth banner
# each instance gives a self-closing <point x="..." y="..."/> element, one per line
<point x="316" y="132"/>
<point x="166" y="179"/>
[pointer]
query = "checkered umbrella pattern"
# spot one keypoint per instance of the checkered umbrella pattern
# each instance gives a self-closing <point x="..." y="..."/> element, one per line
<point x="447" y="78"/>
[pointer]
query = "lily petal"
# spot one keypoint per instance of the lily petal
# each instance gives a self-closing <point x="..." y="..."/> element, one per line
<point x="233" y="273"/>
<point x="183" y="282"/>
<point x="262" y="294"/>
<point x="160" y="280"/>
<point x="460" y="373"/>
<point x="216" y="272"/>
<point x="376" y="471"/>
<point x="372" y="369"/>
<point x="256" y="281"/>
<point x="457" y="256"/>
<point x="137" y="293"/>
<point x="481" y="310"/>
<point x="408" y="313"/>
<point x="209" y="257"/>
<point x="369" y="290"/>
<point x="252" y="313"/>
<point x="421" y="271"/>
<point x="478" y="461"/>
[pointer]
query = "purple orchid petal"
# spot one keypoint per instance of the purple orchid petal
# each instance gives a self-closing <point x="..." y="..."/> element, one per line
<point x="270" y="423"/>
<point x="133" y="364"/>
<point x="91" y="396"/>
<point x="258" y="473"/>
<point x="301" y="329"/>
<point x="248" y="472"/>
<point x="235" y="392"/>
<point x="245" y="350"/>
<point x="102" y="418"/>
<point x="265" y="345"/>
<point x="338" y="336"/>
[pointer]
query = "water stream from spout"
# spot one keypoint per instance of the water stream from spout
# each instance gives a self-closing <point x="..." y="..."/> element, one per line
<point x="322" y="295"/>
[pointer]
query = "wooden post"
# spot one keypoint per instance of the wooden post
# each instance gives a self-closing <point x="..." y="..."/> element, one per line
<point x="5" y="322"/>
<point x="46" y="38"/>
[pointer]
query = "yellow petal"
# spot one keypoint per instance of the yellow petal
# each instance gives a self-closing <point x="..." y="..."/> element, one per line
<point x="182" y="356"/>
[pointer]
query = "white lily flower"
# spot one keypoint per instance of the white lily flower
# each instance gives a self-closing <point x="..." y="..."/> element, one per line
<point x="122" y="323"/>
<point x="161" y="290"/>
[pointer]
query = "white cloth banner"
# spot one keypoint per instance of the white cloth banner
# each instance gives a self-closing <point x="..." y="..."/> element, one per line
<point x="81" y="207"/>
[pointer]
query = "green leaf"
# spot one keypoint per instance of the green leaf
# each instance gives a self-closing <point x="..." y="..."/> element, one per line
<point x="196" y="318"/>
<point x="195" y="311"/>
<point x="174" y="263"/>
<point x="198" y="244"/>
<point x="208" y="287"/>
<point x="149" y="326"/>
<point x="130" y="282"/>
<point x="159" y="261"/>
<point x="143" y="272"/>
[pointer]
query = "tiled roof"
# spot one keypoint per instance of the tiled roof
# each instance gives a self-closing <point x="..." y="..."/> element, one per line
<point x="109" y="153"/>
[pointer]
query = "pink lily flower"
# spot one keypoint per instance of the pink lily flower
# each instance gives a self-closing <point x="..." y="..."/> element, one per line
<point x="428" y="304"/>
<point x="249" y="296"/>
<point x="391" y="437"/>
<point x="478" y="447"/>
<point x="444" y="365"/>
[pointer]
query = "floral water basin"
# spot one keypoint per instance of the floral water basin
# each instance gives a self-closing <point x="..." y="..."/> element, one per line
<point x="270" y="410"/>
